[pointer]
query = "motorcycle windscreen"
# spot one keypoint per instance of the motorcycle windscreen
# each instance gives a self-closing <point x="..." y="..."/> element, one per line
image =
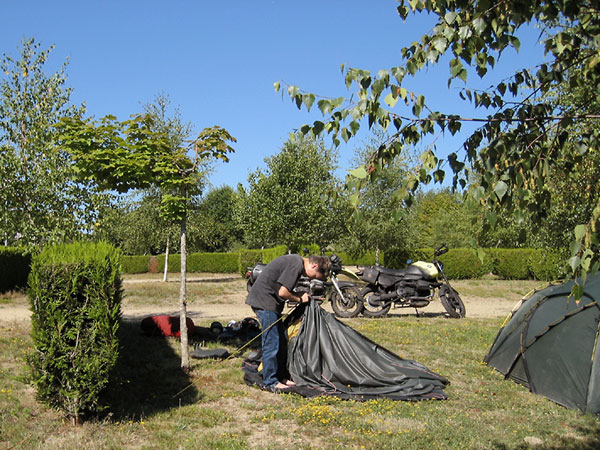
<point x="336" y="359"/>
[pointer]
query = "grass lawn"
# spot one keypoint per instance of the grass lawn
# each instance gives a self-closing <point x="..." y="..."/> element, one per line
<point x="155" y="405"/>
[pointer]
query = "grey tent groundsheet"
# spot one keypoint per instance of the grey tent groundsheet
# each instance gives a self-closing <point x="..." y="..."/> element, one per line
<point x="549" y="344"/>
<point x="327" y="357"/>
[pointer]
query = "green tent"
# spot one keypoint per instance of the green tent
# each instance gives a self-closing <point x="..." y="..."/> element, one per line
<point x="549" y="343"/>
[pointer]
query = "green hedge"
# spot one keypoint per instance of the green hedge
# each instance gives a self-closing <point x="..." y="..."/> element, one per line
<point x="269" y="254"/>
<point x="75" y="297"/>
<point x="463" y="263"/>
<point x="527" y="263"/>
<point x="14" y="268"/>
<point x="248" y="258"/>
<point x="549" y="264"/>
<point x="135" y="264"/>
<point x="368" y="259"/>
<point x="202" y="262"/>
<point x="459" y="263"/>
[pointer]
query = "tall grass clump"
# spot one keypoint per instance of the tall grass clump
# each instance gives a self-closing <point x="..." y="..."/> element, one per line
<point x="75" y="298"/>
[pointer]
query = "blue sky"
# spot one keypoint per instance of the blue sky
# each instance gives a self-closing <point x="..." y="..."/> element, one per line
<point x="217" y="60"/>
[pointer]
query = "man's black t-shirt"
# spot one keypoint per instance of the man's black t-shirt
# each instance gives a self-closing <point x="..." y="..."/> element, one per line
<point x="282" y="271"/>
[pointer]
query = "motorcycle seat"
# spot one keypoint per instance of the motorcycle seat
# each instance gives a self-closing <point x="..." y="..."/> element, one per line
<point x="392" y="272"/>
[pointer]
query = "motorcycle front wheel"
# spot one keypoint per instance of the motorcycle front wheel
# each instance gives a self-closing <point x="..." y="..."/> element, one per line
<point x="373" y="308"/>
<point x="452" y="302"/>
<point x="350" y="305"/>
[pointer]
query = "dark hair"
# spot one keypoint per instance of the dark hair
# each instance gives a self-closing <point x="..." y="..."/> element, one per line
<point x="323" y="263"/>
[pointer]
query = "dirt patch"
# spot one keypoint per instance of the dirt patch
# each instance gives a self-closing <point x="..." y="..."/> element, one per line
<point x="232" y="307"/>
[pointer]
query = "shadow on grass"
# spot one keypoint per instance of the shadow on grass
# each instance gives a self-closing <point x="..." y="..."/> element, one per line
<point x="212" y="280"/>
<point x="148" y="378"/>
<point x="590" y="441"/>
<point x="407" y="313"/>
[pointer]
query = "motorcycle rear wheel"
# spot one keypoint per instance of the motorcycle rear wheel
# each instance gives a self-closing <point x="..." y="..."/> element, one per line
<point x="372" y="309"/>
<point x="350" y="305"/>
<point x="453" y="304"/>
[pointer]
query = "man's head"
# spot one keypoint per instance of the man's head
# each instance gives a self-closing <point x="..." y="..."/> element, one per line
<point x="317" y="266"/>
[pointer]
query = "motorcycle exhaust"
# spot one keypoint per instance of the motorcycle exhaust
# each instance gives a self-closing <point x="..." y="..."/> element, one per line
<point x="378" y="299"/>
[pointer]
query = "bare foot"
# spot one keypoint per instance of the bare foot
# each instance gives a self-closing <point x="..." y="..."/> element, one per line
<point x="290" y="383"/>
<point x="280" y="386"/>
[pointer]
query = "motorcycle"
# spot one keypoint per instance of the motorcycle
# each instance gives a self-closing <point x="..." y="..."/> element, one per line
<point x="345" y="297"/>
<point x="412" y="287"/>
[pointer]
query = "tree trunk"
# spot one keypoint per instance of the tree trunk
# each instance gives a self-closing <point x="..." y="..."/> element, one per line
<point x="166" y="261"/>
<point x="377" y="255"/>
<point x="185" y="351"/>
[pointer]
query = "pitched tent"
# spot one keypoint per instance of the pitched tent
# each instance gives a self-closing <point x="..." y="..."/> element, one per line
<point x="549" y="344"/>
<point x="327" y="357"/>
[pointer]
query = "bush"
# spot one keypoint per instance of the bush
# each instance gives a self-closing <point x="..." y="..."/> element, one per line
<point x="14" y="268"/>
<point x="135" y="264"/>
<point x="75" y="297"/>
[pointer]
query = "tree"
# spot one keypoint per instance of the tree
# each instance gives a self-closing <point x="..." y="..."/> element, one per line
<point x="523" y="137"/>
<point x="440" y="217"/>
<point x="213" y="222"/>
<point x="39" y="201"/>
<point x="292" y="202"/>
<point x="130" y="155"/>
<point x="380" y="221"/>
<point x="133" y="223"/>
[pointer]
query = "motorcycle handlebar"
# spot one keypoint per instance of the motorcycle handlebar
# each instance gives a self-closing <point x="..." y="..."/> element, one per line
<point x="441" y="250"/>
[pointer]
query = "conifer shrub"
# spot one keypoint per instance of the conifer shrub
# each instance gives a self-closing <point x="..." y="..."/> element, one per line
<point x="14" y="268"/>
<point x="75" y="297"/>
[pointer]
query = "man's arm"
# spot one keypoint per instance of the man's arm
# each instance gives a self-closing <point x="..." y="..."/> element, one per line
<point x="287" y="295"/>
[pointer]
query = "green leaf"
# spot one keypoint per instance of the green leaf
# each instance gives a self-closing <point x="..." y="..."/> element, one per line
<point x="574" y="263"/>
<point x="277" y="86"/>
<point x="325" y="106"/>
<point x="391" y="100"/>
<point x="580" y="232"/>
<point x="479" y="25"/>
<point x="359" y="172"/>
<point x="308" y="100"/>
<point x="440" y="44"/>
<point x="500" y="189"/>
<point x="450" y="17"/>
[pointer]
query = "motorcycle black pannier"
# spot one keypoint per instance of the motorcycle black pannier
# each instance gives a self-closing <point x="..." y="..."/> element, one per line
<point x="370" y="275"/>
<point x="256" y="271"/>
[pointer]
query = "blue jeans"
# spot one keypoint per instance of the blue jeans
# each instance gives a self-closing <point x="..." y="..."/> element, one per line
<point x="274" y="347"/>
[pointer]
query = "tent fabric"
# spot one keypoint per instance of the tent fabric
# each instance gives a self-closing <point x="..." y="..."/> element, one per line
<point x="164" y="325"/>
<point x="549" y="344"/>
<point x="327" y="357"/>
